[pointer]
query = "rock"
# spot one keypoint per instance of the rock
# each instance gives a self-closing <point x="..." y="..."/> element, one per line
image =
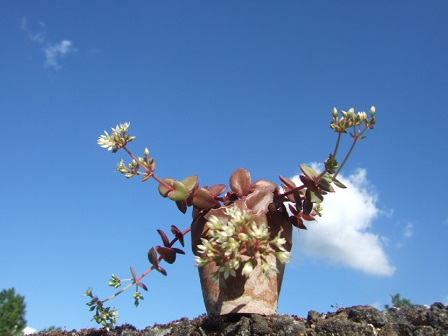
<point x="416" y="320"/>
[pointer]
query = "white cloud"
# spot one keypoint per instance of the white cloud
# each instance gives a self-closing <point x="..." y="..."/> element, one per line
<point x="342" y="235"/>
<point x="35" y="37"/>
<point x="408" y="232"/>
<point x="53" y="51"/>
<point x="29" y="330"/>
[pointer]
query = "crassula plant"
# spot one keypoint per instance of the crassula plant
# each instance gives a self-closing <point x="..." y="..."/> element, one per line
<point x="234" y="229"/>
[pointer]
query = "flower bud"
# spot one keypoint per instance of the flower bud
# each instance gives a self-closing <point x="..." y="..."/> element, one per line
<point x="372" y="110"/>
<point x="335" y="112"/>
<point x="146" y="152"/>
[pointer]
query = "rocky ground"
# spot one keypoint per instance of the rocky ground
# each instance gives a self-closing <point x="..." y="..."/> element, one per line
<point x="358" y="320"/>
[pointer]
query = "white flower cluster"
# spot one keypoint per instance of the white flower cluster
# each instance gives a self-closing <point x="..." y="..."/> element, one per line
<point x="117" y="139"/>
<point x="240" y="243"/>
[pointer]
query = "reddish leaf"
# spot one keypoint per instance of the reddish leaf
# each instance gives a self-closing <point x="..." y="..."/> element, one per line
<point x="167" y="254"/>
<point x="179" y="251"/>
<point x="182" y="206"/>
<point x="178" y="234"/>
<point x="217" y="189"/>
<point x="142" y="285"/>
<point x="293" y="209"/>
<point x="161" y="270"/>
<point x="259" y="200"/>
<point x="298" y="201"/>
<point x="240" y="182"/>
<point x="297" y="222"/>
<point x="287" y="182"/>
<point x="308" y="182"/>
<point x="152" y="257"/>
<point x="307" y="207"/>
<point x="308" y="217"/>
<point x="203" y="199"/>
<point x="264" y="184"/>
<point x="308" y="171"/>
<point x="166" y="241"/>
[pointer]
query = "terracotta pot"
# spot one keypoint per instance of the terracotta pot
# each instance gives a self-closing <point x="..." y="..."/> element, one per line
<point x="255" y="294"/>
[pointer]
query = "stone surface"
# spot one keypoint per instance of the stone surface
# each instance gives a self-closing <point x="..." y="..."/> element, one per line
<point x="413" y="320"/>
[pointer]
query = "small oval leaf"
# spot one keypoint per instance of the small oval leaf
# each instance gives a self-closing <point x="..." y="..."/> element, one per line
<point x="240" y="182"/>
<point x="179" y="193"/>
<point x="202" y="199"/>
<point x="142" y="285"/>
<point x="182" y="206"/>
<point x="339" y="184"/>
<point x="163" y="190"/>
<point x="178" y="234"/>
<point x="152" y="257"/>
<point x="166" y="241"/>
<point x="288" y="182"/>
<point x="308" y="171"/>
<point x="313" y="197"/>
<point x="307" y="208"/>
<point x="167" y="254"/>
<point x="217" y="189"/>
<point x="162" y="270"/>
<point x="190" y="182"/>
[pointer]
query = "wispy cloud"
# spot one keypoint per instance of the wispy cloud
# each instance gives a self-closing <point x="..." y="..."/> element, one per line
<point x="53" y="52"/>
<point x="343" y="236"/>
<point x="407" y="233"/>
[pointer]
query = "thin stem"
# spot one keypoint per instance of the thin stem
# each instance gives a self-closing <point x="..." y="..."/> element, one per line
<point x="148" y="170"/>
<point x="337" y="144"/>
<point x="134" y="281"/>
<point x="292" y="191"/>
<point x="355" y="140"/>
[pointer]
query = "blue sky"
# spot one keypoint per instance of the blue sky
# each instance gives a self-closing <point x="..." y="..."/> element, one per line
<point x="210" y="87"/>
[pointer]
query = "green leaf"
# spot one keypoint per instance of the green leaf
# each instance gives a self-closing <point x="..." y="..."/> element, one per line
<point x="325" y="184"/>
<point x="240" y="182"/>
<point x="164" y="190"/>
<point x="313" y="197"/>
<point x="308" y="171"/>
<point x="339" y="184"/>
<point x="307" y="207"/>
<point x="190" y="182"/>
<point x="179" y="193"/>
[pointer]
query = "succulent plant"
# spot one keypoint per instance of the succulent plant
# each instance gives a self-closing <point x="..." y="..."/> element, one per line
<point x="231" y="228"/>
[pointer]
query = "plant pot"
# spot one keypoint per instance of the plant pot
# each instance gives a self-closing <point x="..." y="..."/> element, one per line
<point x="255" y="294"/>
